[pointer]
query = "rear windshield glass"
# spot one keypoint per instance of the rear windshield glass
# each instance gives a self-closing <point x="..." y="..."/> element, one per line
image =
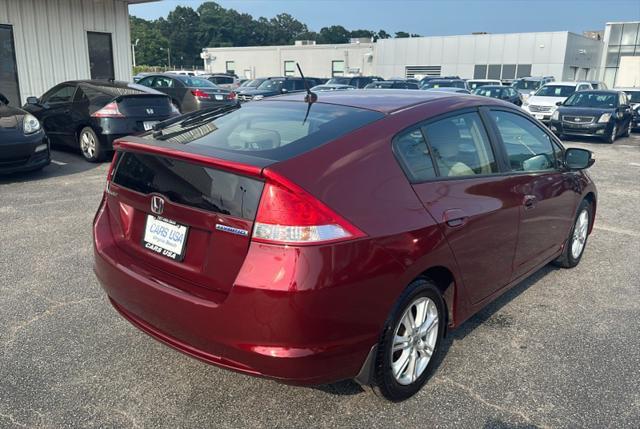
<point x="473" y="84"/>
<point x="275" y="130"/>
<point x="530" y="85"/>
<point x="339" y="81"/>
<point x="196" y="82"/>
<point x="555" y="91"/>
<point x="489" y="91"/>
<point x="634" y="96"/>
<point x="443" y="84"/>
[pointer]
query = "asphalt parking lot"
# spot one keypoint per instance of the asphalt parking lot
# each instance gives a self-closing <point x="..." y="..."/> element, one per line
<point x="560" y="350"/>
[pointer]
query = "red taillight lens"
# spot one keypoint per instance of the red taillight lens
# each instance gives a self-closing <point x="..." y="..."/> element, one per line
<point x="231" y="96"/>
<point x="109" y="111"/>
<point x="289" y="215"/>
<point x="198" y="93"/>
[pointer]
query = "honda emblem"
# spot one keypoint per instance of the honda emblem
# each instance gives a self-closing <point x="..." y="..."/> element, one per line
<point x="150" y="112"/>
<point x="157" y="205"/>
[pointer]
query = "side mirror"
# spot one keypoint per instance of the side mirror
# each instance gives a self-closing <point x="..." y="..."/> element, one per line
<point x="559" y="103"/>
<point x="32" y="100"/>
<point x="578" y="159"/>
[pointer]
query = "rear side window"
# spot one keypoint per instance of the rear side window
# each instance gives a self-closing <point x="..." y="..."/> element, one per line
<point x="274" y="130"/>
<point x="460" y="146"/>
<point x="413" y="154"/>
<point x="528" y="147"/>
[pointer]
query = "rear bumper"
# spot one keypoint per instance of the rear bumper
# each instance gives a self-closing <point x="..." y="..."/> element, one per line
<point x="276" y="328"/>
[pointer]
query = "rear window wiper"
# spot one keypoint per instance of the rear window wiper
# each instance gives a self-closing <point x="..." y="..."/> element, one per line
<point x="191" y="118"/>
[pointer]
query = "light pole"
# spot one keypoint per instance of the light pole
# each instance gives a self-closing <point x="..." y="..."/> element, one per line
<point x="168" y="56"/>
<point x="133" y="47"/>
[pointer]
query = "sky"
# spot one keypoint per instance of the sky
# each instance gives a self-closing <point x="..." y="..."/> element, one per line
<point x="429" y="17"/>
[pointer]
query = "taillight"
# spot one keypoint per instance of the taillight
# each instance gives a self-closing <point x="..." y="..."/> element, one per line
<point x="107" y="187"/>
<point x="231" y="96"/>
<point x="198" y="93"/>
<point x="109" y="111"/>
<point x="289" y="215"/>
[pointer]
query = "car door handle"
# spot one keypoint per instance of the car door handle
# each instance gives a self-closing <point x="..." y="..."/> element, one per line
<point x="529" y="202"/>
<point x="455" y="217"/>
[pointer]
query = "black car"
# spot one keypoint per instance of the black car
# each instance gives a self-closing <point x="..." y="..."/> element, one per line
<point x="23" y="143"/>
<point x="190" y="93"/>
<point x="505" y="93"/>
<point x="276" y="86"/>
<point x="392" y="84"/>
<point x="634" y="101"/>
<point x="604" y="114"/>
<point x="430" y="78"/>
<point x="444" y="83"/>
<point x="357" y="81"/>
<point x="91" y="114"/>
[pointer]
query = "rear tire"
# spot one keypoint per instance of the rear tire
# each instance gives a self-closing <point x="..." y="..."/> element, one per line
<point x="577" y="240"/>
<point x="90" y="145"/>
<point x="612" y="137"/>
<point x="410" y="341"/>
<point x="627" y="133"/>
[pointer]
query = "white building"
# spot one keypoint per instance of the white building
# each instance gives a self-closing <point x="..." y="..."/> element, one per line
<point x="620" y="56"/>
<point x="45" y="42"/>
<point x="561" y="54"/>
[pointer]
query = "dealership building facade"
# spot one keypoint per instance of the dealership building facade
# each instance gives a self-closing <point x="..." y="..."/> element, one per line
<point x="45" y="42"/>
<point x="562" y="54"/>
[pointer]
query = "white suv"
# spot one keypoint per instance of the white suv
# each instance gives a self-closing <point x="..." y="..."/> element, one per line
<point x="543" y="103"/>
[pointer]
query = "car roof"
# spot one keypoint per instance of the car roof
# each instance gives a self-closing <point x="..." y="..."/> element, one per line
<point x="567" y="83"/>
<point x="482" y="80"/>
<point x="627" y="88"/>
<point x="387" y="101"/>
<point x="494" y="86"/>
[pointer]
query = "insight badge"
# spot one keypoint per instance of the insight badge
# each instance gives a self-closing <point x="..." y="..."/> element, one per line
<point x="232" y="230"/>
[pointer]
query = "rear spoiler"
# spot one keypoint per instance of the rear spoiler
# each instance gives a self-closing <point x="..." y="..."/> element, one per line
<point x="140" y="95"/>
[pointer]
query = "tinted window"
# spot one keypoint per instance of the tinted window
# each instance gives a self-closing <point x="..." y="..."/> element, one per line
<point x="271" y="85"/>
<point x="196" y="82"/>
<point x="189" y="184"/>
<point x="161" y="82"/>
<point x="460" y="146"/>
<point x="100" y="55"/>
<point x="555" y="91"/>
<point x="592" y="99"/>
<point x="273" y="130"/>
<point x="60" y="94"/>
<point x="147" y="81"/>
<point x="413" y="154"/>
<point x="528" y="147"/>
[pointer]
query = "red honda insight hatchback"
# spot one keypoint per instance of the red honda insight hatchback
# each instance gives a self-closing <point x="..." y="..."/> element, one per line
<point x="316" y="242"/>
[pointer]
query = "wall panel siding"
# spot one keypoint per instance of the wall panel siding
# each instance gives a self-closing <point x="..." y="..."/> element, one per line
<point x="51" y="39"/>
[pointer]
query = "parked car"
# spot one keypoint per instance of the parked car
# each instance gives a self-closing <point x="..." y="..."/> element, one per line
<point x="474" y="84"/>
<point x="341" y="239"/>
<point x="91" y="114"/>
<point x="276" y="86"/>
<point x="505" y="93"/>
<point x="187" y="72"/>
<point x="430" y="78"/>
<point x="139" y="76"/>
<point x="605" y="114"/>
<point x="332" y="87"/>
<point x="444" y="83"/>
<point x="527" y="86"/>
<point x="450" y="89"/>
<point x="251" y="83"/>
<point x="634" y="101"/>
<point x="392" y="84"/>
<point x="23" y="143"/>
<point x="224" y="80"/>
<point x="543" y="102"/>
<point x="190" y="93"/>
<point x="356" y="81"/>
<point x="598" y="84"/>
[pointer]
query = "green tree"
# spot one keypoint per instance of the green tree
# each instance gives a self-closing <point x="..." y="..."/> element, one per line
<point x="362" y="33"/>
<point x="402" y="34"/>
<point x="150" y="42"/>
<point x="333" y="34"/>
<point x="181" y="28"/>
<point x="382" y="35"/>
<point x="284" y="29"/>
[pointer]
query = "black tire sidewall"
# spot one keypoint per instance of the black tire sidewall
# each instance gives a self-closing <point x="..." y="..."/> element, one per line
<point x="385" y="381"/>
<point x="575" y="261"/>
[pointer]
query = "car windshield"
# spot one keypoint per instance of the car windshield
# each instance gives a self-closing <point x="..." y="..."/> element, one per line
<point x="634" y="96"/>
<point x="592" y="99"/>
<point x="473" y="84"/>
<point x="270" y="129"/>
<point x="555" y="91"/>
<point x="489" y="92"/>
<point x="271" y="85"/>
<point x="379" y="85"/>
<point x="339" y="81"/>
<point x="196" y="82"/>
<point x="443" y="84"/>
<point x="527" y="85"/>
<point x="254" y="83"/>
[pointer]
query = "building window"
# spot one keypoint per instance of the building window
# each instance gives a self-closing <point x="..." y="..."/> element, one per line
<point x="524" y="70"/>
<point x="337" y="68"/>
<point x="480" y="71"/>
<point x="8" y="70"/>
<point x="100" y="55"/>
<point x="231" y="67"/>
<point x="494" y="71"/>
<point x="624" y="41"/>
<point x="509" y="71"/>
<point x="289" y="68"/>
<point x="422" y="71"/>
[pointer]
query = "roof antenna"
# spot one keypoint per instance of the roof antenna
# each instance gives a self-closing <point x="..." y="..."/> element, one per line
<point x="310" y="98"/>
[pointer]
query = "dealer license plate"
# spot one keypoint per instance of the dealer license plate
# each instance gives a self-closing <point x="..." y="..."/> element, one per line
<point x="165" y="237"/>
<point x="148" y="125"/>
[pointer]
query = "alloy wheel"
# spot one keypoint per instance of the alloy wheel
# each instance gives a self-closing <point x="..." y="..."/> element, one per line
<point x="88" y="145"/>
<point x="614" y="132"/>
<point x="580" y="234"/>
<point x="414" y="340"/>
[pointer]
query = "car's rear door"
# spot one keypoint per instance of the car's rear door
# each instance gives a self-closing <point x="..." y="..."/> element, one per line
<point x="460" y="182"/>
<point x="546" y="191"/>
